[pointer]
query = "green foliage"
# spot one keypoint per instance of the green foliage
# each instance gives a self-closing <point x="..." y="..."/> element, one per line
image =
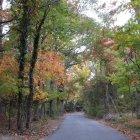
<point x="8" y="86"/>
<point x="82" y="75"/>
<point x="94" y="98"/>
<point x="125" y="118"/>
<point x="56" y="95"/>
<point x="72" y="106"/>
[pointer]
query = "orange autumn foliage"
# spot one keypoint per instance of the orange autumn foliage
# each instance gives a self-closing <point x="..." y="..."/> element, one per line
<point x="8" y="75"/>
<point x="134" y="80"/>
<point x="8" y="66"/>
<point x="40" y="95"/>
<point x="49" y="66"/>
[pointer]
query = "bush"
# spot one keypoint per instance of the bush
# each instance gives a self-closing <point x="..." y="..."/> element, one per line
<point x="72" y="106"/>
<point x="125" y="118"/>
<point x="100" y="114"/>
<point x="79" y="106"/>
<point x="96" y="111"/>
<point x="69" y="106"/>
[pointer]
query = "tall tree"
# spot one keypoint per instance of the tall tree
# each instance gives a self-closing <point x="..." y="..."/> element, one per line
<point x="24" y="25"/>
<point x="33" y="62"/>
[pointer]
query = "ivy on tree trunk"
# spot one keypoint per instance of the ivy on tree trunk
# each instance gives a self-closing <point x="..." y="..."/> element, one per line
<point x="24" y="32"/>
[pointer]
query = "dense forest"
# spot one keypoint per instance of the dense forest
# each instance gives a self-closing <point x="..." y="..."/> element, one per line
<point x="54" y="59"/>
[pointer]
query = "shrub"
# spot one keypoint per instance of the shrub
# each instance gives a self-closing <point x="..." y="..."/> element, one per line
<point x="125" y="118"/>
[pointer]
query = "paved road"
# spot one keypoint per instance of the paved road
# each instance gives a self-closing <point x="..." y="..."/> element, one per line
<point x="77" y="127"/>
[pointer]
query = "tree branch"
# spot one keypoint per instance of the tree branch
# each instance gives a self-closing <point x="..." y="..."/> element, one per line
<point x="6" y="21"/>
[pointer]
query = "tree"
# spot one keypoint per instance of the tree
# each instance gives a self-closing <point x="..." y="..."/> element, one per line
<point x="33" y="62"/>
<point x="23" y="28"/>
<point x="37" y="38"/>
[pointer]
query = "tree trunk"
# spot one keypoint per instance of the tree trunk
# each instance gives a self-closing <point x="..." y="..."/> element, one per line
<point x="32" y="67"/>
<point x="62" y="107"/>
<point x="107" y="99"/>
<point x="114" y="105"/>
<point x="24" y="25"/>
<point x="9" y="125"/>
<point x="30" y="98"/>
<point x="44" y="110"/>
<point x="35" y="114"/>
<point x="1" y="47"/>
<point x="58" y="107"/>
<point x="138" y="105"/>
<point x="50" y="108"/>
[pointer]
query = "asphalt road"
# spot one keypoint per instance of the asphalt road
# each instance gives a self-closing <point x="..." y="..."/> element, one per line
<point x="78" y="127"/>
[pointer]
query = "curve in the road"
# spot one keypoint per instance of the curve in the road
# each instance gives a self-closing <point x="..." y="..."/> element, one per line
<point x="77" y="127"/>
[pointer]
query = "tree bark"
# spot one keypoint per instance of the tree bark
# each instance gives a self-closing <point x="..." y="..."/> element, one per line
<point x="138" y="105"/>
<point x="32" y="67"/>
<point x="62" y="107"/>
<point x="107" y="99"/>
<point x="24" y="31"/>
<point x="9" y="125"/>
<point x="51" y="108"/>
<point x="1" y="47"/>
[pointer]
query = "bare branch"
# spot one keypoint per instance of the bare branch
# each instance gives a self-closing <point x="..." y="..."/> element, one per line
<point x="6" y="21"/>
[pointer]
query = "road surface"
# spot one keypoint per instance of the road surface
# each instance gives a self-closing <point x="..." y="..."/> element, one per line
<point x="77" y="127"/>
